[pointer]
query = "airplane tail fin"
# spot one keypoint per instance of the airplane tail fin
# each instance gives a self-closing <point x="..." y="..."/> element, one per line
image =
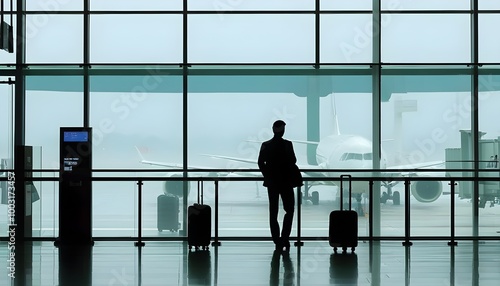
<point x="140" y="154"/>
<point x="335" y="121"/>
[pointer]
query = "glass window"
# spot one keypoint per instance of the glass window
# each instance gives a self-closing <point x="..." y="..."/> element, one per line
<point x="489" y="43"/>
<point x="231" y="5"/>
<point x="6" y="118"/>
<point x="8" y="6"/>
<point x="422" y="120"/>
<point x="255" y="103"/>
<point x="133" y="5"/>
<point x="488" y="5"/>
<point x="489" y="98"/>
<point x="344" y="156"/>
<point x="345" y="5"/>
<point x="425" y="5"/>
<point x="42" y="124"/>
<point x="433" y="39"/>
<point x="114" y="207"/>
<point x="354" y="156"/>
<point x="43" y="121"/>
<point x="136" y="113"/>
<point x="251" y="38"/>
<point x="6" y="149"/>
<point x="489" y="151"/>
<point x="440" y="105"/>
<point x="136" y="39"/>
<point x="54" y="38"/>
<point x="135" y="120"/>
<point x="54" y="5"/>
<point x="346" y="38"/>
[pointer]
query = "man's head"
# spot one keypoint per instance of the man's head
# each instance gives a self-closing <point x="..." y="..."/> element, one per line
<point x="279" y="128"/>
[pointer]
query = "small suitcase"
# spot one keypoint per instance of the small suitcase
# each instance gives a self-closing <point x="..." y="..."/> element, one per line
<point x="199" y="223"/>
<point x="343" y="228"/>
<point x="167" y="212"/>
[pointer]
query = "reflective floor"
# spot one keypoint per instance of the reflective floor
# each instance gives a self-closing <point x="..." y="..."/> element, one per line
<point x="254" y="263"/>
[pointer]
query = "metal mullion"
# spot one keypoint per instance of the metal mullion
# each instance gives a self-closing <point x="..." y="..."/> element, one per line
<point x="127" y="12"/>
<point x="250" y="12"/>
<point x="317" y="23"/>
<point x="185" y="111"/>
<point x="86" y="61"/>
<point x="81" y="12"/>
<point x="376" y="114"/>
<point x="474" y="115"/>
<point x="53" y="13"/>
<point x="426" y="11"/>
<point x="346" y="12"/>
<point x="20" y="119"/>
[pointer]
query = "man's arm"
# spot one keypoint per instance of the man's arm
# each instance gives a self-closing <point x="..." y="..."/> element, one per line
<point x="291" y="156"/>
<point x="261" y="161"/>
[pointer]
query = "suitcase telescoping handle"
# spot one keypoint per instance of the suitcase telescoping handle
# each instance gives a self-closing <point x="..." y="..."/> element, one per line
<point x="346" y="178"/>
<point x="200" y="191"/>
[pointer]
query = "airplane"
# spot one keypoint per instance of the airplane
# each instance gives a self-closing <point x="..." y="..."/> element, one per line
<point x="341" y="151"/>
<point x="338" y="152"/>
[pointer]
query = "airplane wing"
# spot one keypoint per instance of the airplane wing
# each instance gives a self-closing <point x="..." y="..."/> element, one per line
<point x="254" y="162"/>
<point x="423" y="166"/>
<point x="250" y="161"/>
<point x="168" y="165"/>
<point x="154" y="163"/>
<point x="292" y="140"/>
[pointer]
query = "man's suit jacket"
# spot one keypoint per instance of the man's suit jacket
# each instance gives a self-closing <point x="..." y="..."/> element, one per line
<point x="276" y="160"/>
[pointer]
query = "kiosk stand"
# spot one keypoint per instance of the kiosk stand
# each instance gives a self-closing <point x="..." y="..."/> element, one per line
<point x="75" y="187"/>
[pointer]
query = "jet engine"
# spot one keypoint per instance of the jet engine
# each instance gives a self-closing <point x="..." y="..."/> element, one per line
<point x="426" y="191"/>
<point x="175" y="187"/>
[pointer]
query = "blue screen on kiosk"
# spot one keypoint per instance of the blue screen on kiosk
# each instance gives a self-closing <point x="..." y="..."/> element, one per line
<point x="76" y="136"/>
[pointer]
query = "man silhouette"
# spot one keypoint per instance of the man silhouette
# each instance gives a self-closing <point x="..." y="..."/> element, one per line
<point x="276" y="160"/>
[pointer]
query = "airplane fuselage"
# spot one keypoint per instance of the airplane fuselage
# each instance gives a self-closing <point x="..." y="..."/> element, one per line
<point x="347" y="152"/>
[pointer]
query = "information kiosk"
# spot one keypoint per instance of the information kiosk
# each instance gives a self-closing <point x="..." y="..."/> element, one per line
<point x="75" y="186"/>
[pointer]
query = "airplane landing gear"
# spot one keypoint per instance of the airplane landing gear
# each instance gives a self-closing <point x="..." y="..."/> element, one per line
<point x="389" y="195"/>
<point x="313" y="198"/>
<point x="357" y="206"/>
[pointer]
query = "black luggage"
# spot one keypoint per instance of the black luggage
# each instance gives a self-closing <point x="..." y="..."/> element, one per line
<point x="343" y="229"/>
<point x="199" y="222"/>
<point x="167" y="212"/>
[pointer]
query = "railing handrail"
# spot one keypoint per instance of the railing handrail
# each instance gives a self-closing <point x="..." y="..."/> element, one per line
<point x="247" y="170"/>
<point x="249" y="178"/>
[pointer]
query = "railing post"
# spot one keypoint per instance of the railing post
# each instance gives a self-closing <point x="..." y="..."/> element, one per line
<point x="452" y="214"/>
<point x="140" y="242"/>
<point x="216" y="214"/>
<point x="370" y="210"/>
<point x="299" y="203"/>
<point x="407" y="241"/>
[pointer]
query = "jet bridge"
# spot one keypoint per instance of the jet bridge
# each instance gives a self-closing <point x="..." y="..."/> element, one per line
<point x="461" y="158"/>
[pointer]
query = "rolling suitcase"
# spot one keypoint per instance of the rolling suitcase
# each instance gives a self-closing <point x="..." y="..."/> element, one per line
<point x="167" y="212"/>
<point x="199" y="222"/>
<point x="343" y="228"/>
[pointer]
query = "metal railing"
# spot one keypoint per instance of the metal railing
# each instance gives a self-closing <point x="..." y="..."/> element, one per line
<point x="378" y="176"/>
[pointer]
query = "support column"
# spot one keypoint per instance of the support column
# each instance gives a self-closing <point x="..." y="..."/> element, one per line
<point x="376" y="121"/>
